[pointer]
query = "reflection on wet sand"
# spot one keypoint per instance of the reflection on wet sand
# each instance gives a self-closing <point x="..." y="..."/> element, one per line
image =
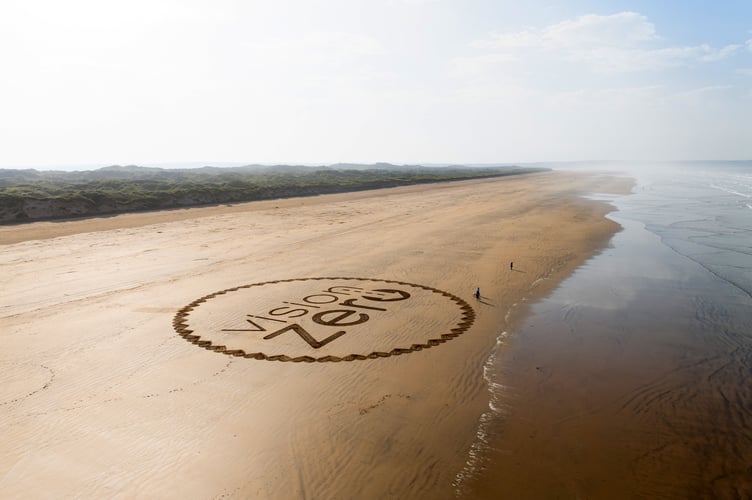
<point x="630" y="381"/>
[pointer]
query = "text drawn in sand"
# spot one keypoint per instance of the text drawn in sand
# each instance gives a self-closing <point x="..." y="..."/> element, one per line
<point x="323" y="319"/>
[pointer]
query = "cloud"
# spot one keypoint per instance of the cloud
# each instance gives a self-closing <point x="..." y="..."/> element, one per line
<point x="617" y="59"/>
<point x="622" y="42"/>
<point x="617" y="30"/>
<point x="716" y="55"/>
<point x="592" y="30"/>
<point x="749" y="44"/>
<point x="703" y="92"/>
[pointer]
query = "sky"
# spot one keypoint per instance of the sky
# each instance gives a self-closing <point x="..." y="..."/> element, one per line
<point x="98" y="82"/>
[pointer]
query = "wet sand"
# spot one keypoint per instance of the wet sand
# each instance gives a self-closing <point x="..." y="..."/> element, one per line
<point x="136" y="348"/>
<point x="630" y="381"/>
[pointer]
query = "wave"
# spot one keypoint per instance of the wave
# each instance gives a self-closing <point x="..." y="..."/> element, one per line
<point x="496" y="410"/>
<point x="731" y="190"/>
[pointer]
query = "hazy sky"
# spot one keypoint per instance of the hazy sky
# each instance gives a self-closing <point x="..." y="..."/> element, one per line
<point x="97" y="82"/>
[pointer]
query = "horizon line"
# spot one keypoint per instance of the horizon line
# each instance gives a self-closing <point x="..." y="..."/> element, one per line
<point x="231" y="164"/>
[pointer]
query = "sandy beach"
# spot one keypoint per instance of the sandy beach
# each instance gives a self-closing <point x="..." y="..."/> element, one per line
<point x="326" y="347"/>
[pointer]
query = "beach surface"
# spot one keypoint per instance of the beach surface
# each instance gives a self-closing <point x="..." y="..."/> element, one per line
<point x="325" y="347"/>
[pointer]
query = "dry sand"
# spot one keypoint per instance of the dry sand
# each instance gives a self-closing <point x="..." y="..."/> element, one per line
<point x="102" y="396"/>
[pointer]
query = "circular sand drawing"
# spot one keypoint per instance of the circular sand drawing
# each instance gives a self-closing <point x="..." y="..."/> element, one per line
<point x="323" y="319"/>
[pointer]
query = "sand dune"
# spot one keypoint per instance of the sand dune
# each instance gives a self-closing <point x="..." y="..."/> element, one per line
<point x="109" y="385"/>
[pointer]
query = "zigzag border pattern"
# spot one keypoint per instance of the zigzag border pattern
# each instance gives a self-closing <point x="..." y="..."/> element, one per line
<point x="180" y="324"/>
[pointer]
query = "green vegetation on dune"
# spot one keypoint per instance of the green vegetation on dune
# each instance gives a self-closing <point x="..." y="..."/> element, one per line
<point x="27" y="195"/>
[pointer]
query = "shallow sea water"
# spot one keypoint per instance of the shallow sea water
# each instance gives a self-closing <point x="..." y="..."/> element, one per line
<point x="634" y="378"/>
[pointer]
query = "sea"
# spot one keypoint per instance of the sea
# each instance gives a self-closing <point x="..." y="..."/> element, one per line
<point x="633" y="378"/>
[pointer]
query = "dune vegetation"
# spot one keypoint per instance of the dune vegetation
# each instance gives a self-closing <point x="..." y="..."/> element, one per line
<point x="27" y="195"/>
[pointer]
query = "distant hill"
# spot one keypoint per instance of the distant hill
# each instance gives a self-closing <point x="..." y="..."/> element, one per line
<point x="28" y="194"/>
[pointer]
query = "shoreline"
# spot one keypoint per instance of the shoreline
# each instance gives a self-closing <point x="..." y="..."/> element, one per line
<point x="401" y="425"/>
<point x="618" y="385"/>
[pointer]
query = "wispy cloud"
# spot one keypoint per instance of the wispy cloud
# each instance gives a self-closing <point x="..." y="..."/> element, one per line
<point x="704" y="91"/>
<point x="622" y="42"/>
<point x="592" y="30"/>
<point x="617" y="59"/>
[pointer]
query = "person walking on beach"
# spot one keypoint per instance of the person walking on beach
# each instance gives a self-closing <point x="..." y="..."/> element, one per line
<point x="477" y="293"/>
<point x="511" y="266"/>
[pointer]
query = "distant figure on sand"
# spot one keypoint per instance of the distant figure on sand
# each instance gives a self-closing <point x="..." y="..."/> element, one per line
<point x="477" y="293"/>
<point x="511" y="265"/>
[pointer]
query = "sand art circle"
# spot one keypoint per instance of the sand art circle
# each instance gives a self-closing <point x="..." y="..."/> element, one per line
<point x="323" y="319"/>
